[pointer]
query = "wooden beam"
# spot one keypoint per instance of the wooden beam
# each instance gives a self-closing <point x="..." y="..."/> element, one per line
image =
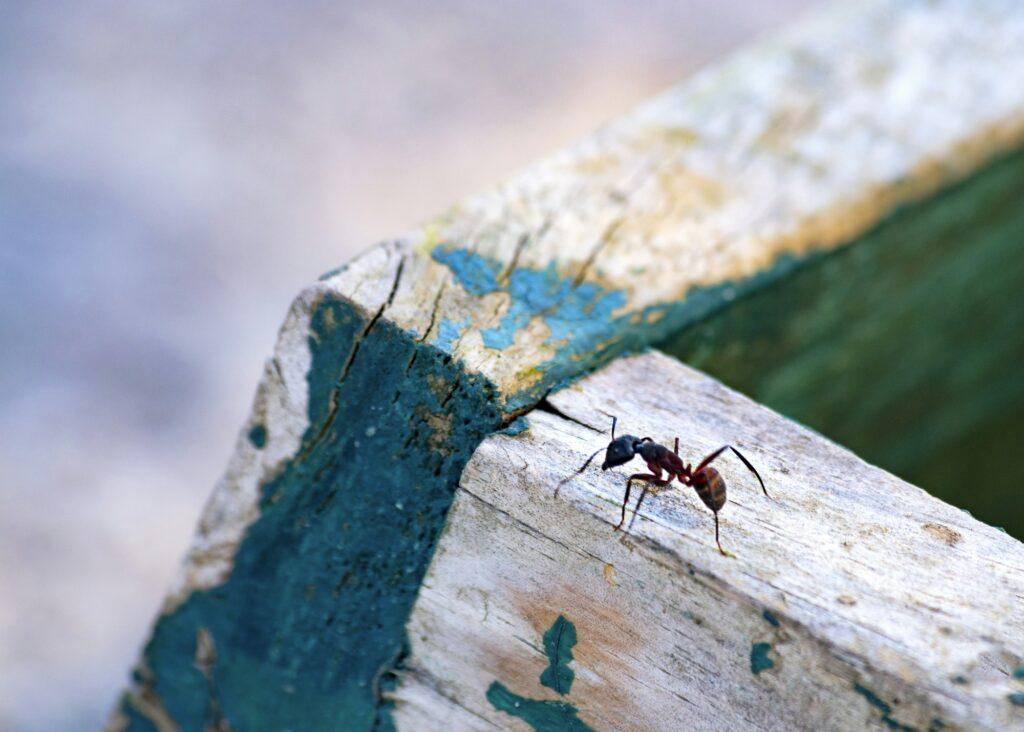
<point x="292" y="607"/>
<point x="853" y="600"/>
<point x="906" y="347"/>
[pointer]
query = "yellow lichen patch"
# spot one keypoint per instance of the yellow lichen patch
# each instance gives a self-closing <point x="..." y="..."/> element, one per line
<point x="529" y="376"/>
<point x="431" y="238"/>
<point x="609" y="574"/>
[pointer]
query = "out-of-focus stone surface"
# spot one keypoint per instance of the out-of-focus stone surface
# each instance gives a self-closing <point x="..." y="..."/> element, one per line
<point x="168" y="180"/>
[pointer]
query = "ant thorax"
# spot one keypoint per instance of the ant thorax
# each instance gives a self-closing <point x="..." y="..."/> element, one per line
<point x="651" y="452"/>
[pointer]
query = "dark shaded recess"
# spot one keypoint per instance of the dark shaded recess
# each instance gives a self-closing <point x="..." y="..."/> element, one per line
<point x="311" y="622"/>
<point x="907" y="347"/>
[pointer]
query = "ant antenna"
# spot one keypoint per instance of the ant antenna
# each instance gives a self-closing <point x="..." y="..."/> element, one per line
<point x="614" y="420"/>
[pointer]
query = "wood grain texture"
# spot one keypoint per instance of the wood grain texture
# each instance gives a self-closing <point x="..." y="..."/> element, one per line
<point x="854" y="599"/>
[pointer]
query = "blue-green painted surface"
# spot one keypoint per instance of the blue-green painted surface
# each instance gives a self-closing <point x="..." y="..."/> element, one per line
<point x="759" y="660"/>
<point x="448" y="331"/>
<point x="565" y="305"/>
<point x="542" y="715"/>
<point x="546" y="715"/>
<point x="558" y="642"/>
<point x="1017" y="698"/>
<point x="883" y="707"/>
<point x="1019" y="672"/>
<point x="258" y="436"/>
<point x="313" y="614"/>
<point x="770" y="618"/>
<point x="517" y="426"/>
<point x="579" y="315"/>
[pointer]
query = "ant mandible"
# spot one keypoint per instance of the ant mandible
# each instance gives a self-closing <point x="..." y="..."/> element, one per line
<point x="704" y="479"/>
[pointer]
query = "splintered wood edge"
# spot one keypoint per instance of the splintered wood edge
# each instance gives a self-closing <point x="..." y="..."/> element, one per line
<point x="853" y="597"/>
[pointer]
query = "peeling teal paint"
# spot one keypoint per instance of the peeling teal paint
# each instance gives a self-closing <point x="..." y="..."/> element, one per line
<point x="759" y="660"/>
<point x="569" y="310"/>
<point x="541" y="715"/>
<point x="565" y="305"/>
<point x="1017" y="698"/>
<point x="448" y="331"/>
<point x="311" y="621"/>
<point x="332" y="272"/>
<point x="1019" y="673"/>
<point x="478" y="275"/>
<point x="558" y="642"/>
<point x="517" y="426"/>
<point x="886" y="709"/>
<point x="770" y="618"/>
<point x="583" y="331"/>
<point x="258" y="436"/>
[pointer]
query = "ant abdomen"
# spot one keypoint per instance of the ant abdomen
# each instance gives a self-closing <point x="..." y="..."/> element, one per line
<point x="710" y="486"/>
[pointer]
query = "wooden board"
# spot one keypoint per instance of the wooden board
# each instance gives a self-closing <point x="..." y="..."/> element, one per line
<point x="292" y="607"/>
<point x="906" y="348"/>
<point x="854" y="600"/>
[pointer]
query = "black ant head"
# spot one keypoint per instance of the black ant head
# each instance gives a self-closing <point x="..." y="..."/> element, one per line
<point x="620" y="451"/>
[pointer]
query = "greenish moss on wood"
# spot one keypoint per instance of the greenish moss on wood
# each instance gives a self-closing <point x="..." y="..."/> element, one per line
<point x="905" y="346"/>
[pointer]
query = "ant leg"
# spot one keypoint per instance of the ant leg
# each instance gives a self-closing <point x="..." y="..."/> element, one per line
<point x="676" y="450"/>
<point x="724" y="554"/>
<point x="713" y="456"/>
<point x="565" y="480"/>
<point x="647" y="478"/>
<point x="643" y="494"/>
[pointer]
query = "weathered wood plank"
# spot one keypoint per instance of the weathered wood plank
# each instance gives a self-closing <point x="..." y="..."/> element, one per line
<point x="854" y="599"/>
<point x="293" y="604"/>
<point x="905" y="348"/>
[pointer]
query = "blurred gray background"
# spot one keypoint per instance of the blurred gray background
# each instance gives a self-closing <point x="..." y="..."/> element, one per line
<point x="171" y="174"/>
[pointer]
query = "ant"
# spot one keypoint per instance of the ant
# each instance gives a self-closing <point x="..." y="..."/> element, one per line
<point x="704" y="479"/>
